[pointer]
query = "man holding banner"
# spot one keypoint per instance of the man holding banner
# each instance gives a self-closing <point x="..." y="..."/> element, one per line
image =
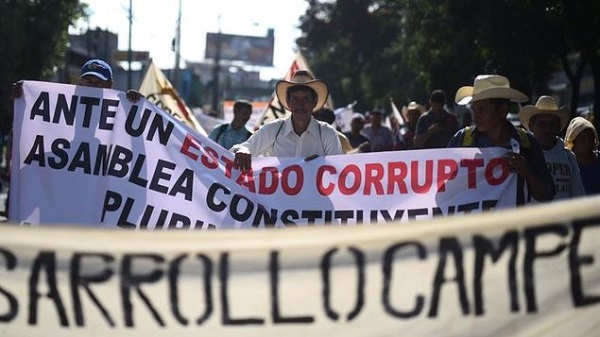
<point x="490" y="96"/>
<point x="299" y="135"/>
<point x="95" y="73"/>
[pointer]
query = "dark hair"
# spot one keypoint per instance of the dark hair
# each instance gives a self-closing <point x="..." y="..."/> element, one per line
<point x="325" y="115"/>
<point x="296" y="88"/>
<point x="240" y="104"/>
<point x="438" y="96"/>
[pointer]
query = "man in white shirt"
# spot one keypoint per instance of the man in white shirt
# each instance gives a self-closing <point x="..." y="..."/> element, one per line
<point x="545" y="120"/>
<point x="299" y="135"/>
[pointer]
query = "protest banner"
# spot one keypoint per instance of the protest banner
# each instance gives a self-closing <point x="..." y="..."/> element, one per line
<point x="531" y="271"/>
<point x="91" y="157"/>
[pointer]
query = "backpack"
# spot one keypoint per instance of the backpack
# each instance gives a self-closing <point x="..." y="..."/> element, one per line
<point x="469" y="137"/>
<point x="221" y="128"/>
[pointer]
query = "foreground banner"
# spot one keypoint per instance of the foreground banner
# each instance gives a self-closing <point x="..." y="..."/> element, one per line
<point x="89" y="156"/>
<point x="527" y="272"/>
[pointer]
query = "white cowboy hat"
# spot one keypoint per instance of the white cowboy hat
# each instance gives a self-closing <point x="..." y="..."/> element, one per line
<point x="358" y="116"/>
<point x="545" y="105"/>
<point x="488" y="86"/>
<point x="412" y="106"/>
<point x="303" y="78"/>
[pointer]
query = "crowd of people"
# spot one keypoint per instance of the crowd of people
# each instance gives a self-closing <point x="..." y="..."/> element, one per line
<point x="548" y="168"/>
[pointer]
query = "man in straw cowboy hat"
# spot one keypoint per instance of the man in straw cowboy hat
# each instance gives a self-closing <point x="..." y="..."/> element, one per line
<point x="490" y="97"/>
<point x="410" y="114"/>
<point x="546" y="120"/>
<point x="299" y="135"/>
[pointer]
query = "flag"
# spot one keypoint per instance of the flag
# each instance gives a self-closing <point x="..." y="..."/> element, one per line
<point x="396" y="113"/>
<point x="343" y="116"/>
<point x="159" y="90"/>
<point x="274" y="109"/>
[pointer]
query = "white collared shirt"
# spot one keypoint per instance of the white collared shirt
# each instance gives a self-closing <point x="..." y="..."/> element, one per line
<point x="278" y="139"/>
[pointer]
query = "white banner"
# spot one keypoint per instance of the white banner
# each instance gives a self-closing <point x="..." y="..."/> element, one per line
<point x="88" y="156"/>
<point x="527" y="272"/>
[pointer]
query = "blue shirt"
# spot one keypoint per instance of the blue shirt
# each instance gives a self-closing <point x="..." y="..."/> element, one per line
<point x="590" y="176"/>
<point x="229" y="137"/>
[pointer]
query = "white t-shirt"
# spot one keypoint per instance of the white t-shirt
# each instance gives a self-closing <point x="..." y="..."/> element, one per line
<point x="563" y="168"/>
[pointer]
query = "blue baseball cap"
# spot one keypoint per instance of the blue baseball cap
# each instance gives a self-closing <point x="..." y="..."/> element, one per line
<point x="98" y="68"/>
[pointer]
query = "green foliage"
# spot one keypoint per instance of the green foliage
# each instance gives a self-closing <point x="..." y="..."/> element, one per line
<point x="369" y="50"/>
<point x="34" y="35"/>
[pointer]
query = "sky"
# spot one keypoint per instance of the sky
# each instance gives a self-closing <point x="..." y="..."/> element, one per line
<point x="155" y="22"/>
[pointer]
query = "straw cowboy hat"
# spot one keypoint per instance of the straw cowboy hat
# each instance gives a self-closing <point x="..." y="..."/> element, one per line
<point x="412" y="106"/>
<point x="488" y="86"/>
<point x="545" y="105"/>
<point x="302" y="78"/>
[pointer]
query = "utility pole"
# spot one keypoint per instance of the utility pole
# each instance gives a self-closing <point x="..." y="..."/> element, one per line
<point x="177" y="49"/>
<point x="129" y="52"/>
<point x="216" y="71"/>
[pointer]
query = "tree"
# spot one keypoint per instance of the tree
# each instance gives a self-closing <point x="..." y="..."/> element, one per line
<point x="543" y="38"/>
<point x="34" y="35"/>
<point x="350" y="44"/>
<point x="441" y="43"/>
<point x="408" y="47"/>
<point x="581" y="20"/>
